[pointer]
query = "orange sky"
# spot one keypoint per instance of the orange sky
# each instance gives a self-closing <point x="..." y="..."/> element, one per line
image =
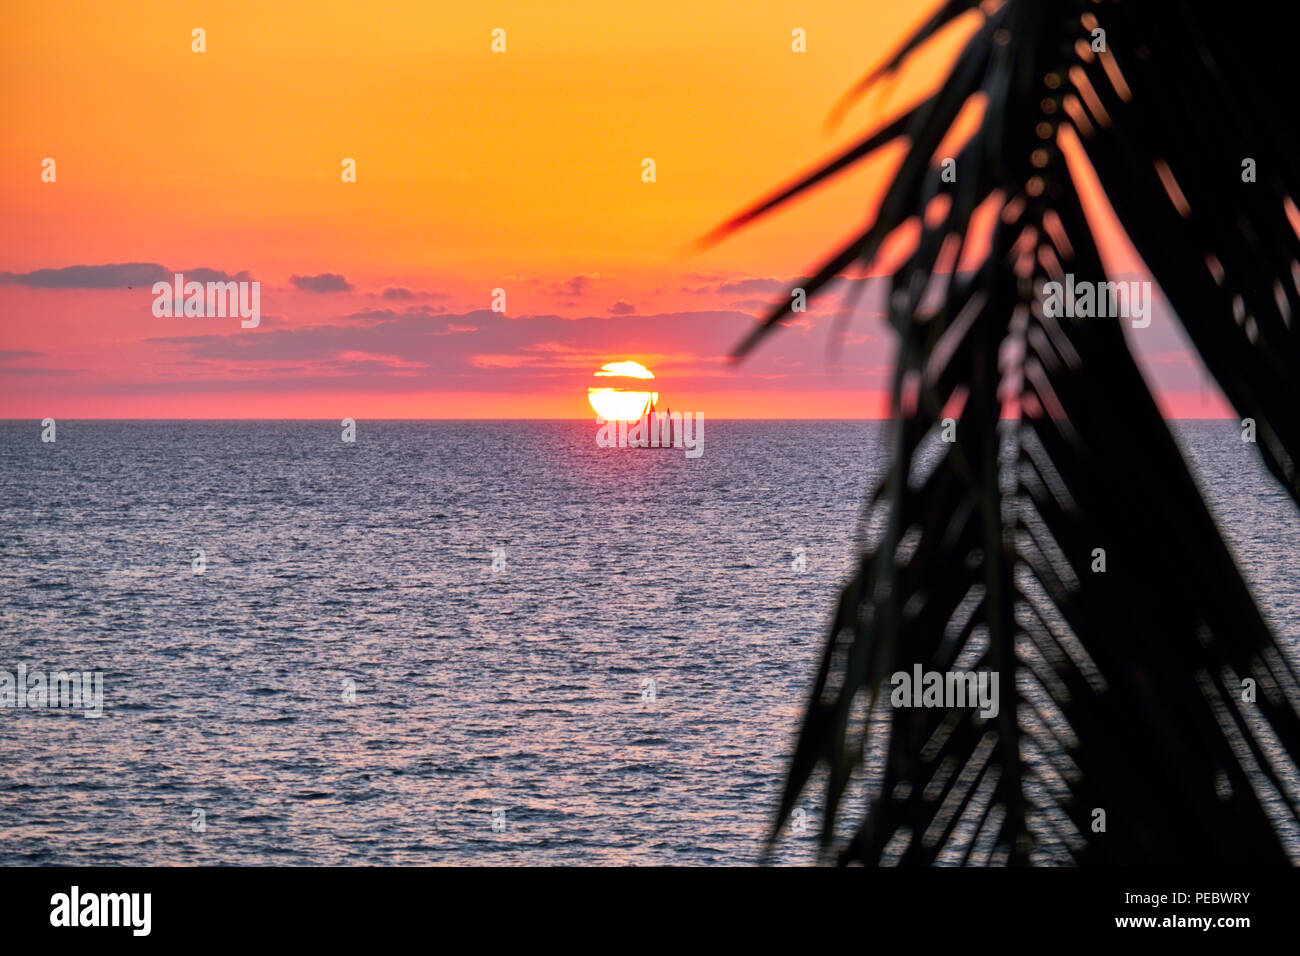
<point x="475" y="171"/>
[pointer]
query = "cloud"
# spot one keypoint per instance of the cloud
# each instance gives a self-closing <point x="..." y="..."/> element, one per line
<point x="622" y="307"/>
<point x="572" y="288"/>
<point x="115" y="276"/>
<point x="409" y="336"/>
<point x="216" y="275"/>
<point x="486" y="351"/>
<point x="10" y="355"/>
<point x="324" y="282"/>
<point x="751" y="286"/>
<point x="383" y="315"/>
<point x="402" y="294"/>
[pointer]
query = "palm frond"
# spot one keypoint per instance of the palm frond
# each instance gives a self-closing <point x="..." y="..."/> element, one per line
<point x="1122" y="690"/>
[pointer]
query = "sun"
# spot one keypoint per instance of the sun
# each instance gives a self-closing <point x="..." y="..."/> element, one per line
<point x="624" y="397"/>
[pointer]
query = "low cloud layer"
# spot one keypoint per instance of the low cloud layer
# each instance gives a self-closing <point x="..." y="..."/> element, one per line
<point x="123" y="275"/>
<point x="324" y="282"/>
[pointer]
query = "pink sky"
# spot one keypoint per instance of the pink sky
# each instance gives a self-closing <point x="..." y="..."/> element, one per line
<point x="476" y="170"/>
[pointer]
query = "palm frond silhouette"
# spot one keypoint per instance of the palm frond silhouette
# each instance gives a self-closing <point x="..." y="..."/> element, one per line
<point x="1129" y="691"/>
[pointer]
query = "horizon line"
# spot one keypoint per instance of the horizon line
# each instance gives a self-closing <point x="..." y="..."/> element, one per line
<point x="716" y="418"/>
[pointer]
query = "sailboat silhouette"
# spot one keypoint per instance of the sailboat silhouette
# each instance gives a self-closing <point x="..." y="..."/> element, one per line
<point x="657" y="428"/>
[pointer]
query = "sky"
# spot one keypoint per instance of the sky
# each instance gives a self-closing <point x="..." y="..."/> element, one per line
<point x="475" y="171"/>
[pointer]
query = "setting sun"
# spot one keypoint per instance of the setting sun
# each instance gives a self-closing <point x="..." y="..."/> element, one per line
<point x="618" y="402"/>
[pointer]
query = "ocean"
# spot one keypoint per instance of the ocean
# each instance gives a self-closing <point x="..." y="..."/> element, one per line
<point x="446" y="642"/>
